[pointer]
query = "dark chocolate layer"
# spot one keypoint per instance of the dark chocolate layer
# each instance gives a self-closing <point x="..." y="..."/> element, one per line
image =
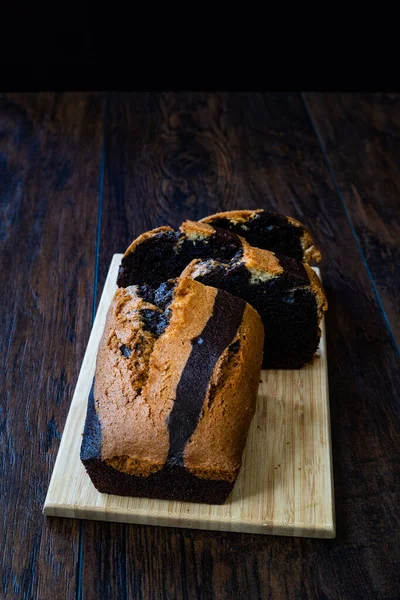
<point x="150" y="261"/>
<point x="267" y="230"/>
<point x="91" y="442"/>
<point x="173" y="482"/>
<point x="155" y="321"/>
<point x="216" y="336"/>
<point x="286" y="305"/>
<point x="165" y="255"/>
<point x="160" y="297"/>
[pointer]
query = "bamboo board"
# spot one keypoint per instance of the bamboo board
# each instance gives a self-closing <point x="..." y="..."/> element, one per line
<point x="285" y="486"/>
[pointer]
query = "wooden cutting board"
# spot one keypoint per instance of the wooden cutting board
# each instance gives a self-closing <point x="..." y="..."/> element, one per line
<point x="285" y="486"/>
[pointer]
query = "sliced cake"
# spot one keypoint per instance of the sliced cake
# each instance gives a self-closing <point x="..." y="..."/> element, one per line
<point x="285" y="291"/>
<point x="270" y="231"/>
<point x="163" y="253"/>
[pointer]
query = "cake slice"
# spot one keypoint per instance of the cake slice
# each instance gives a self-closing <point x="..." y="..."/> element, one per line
<point x="285" y="291"/>
<point x="287" y="294"/>
<point x="163" y="253"/>
<point x="270" y="231"/>
<point x="174" y="392"/>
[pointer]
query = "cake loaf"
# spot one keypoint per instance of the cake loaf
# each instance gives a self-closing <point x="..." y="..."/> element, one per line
<point x="270" y="231"/>
<point x="286" y="292"/>
<point x="174" y="392"/>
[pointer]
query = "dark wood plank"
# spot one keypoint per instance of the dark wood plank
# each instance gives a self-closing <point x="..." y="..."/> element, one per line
<point x="360" y="134"/>
<point x="50" y="148"/>
<point x="171" y="157"/>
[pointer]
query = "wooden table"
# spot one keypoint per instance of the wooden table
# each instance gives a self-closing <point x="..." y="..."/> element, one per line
<point x="81" y="175"/>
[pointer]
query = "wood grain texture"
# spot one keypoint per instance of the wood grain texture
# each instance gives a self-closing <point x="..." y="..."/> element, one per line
<point x="285" y="484"/>
<point x="176" y="156"/>
<point x="360" y="134"/>
<point x="50" y="149"/>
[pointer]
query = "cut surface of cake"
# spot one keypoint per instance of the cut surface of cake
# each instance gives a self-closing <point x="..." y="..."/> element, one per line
<point x="174" y="392"/>
<point x="163" y="253"/>
<point x="269" y="230"/>
<point x="286" y="292"/>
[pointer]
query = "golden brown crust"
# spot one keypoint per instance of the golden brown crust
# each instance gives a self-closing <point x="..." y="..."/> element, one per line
<point x="196" y="268"/>
<point x="133" y="466"/>
<point x="236" y="216"/>
<point x="229" y="406"/>
<point x="134" y="412"/>
<point x="310" y="251"/>
<point x="144" y="236"/>
<point x="124" y="411"/>
<point x="318" y="290"/>
<point x="123" y="328"/>
<point x="260" y="260"/>
<point x="119" y="379"/>
<point x="196" y="229"/>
